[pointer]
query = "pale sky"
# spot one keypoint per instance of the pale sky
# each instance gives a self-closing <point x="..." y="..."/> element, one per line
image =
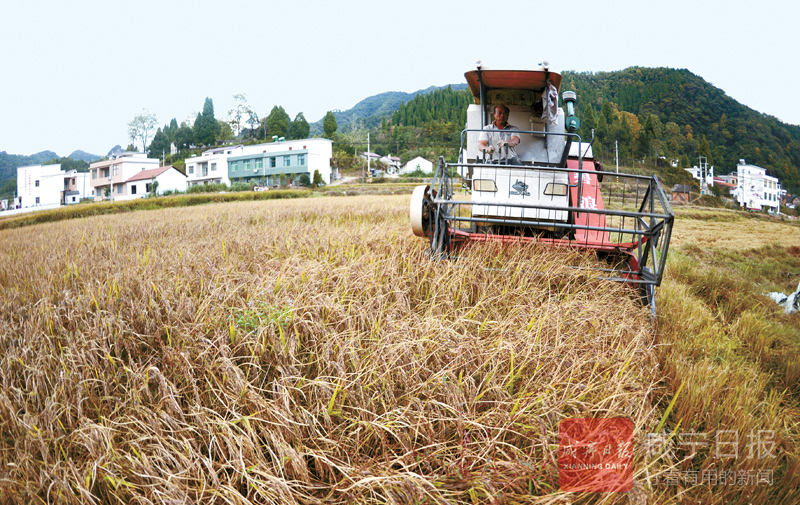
<point x="75" y="73"/>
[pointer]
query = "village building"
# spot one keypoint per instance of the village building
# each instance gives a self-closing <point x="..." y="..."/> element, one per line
<point x="155" y="181"/>
<point x="264" y="164"/>
<point x="417" y="164"/>
<point x="211" y="167"/>
<point x="755" y="190"/>
<point x="109" y="176"/>
<point x="681" y="193"/>
<point x="39" y="186"/>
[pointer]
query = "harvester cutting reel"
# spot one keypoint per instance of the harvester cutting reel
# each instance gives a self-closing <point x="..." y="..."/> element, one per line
<point x="429" y="219"/>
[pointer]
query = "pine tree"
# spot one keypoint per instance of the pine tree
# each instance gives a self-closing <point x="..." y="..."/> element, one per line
<point x="205" y="126"/>
<point x="278" y="122"/>
<point x="299" y="128"/>
<point x="329" y="125"/>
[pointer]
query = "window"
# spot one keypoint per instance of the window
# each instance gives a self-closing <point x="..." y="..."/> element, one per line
<point x="234" y="166"/>
<point x="247" y="165"/>
<point x="94" y="174"/>
<point x="119" y="189"/>
<point x="133" y="189"/>
<point x="37" y="198"/>
<point x="37" y="183"/>
<point x="116" y="170"/>
<point x="260" y="164"/>
<point x="147" y="187"/>
<point x="191" y="169"/>
<point x="301" y="159"/>
<point x="272" y="162"/>
<point x="213" y="167"/>
<point x="286" y="161"/>
<point x="105" y="173"/>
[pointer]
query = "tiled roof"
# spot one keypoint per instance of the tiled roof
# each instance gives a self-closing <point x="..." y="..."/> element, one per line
<point x="149" y="174"/>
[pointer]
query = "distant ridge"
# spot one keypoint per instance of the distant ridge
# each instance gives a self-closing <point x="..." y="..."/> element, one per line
<point x="84" y="156"/>
<point x="369" y="111"/>
<point x="10" y="162"/>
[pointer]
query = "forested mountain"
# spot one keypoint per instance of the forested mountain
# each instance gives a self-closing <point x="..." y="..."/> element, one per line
<point x="428" y="125"/>
<point x="676" y="114"/>
<point x="84" y="156"/>
<point x="370" y="111"/>
<point x="655" y="115"/>
<point x="10" y="162"/>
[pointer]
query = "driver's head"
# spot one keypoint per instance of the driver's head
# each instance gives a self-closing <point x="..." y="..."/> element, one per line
<point x="501" y="115"/>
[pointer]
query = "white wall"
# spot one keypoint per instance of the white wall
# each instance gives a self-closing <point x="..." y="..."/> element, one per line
<point x="45" y="182"/>
<point x="194" y="174"/>
<point x="170" y="180"/>
<point x="422" y="163"/>
<point x="755" y="189"/>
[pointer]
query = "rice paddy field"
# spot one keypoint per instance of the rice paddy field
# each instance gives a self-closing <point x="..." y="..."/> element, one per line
<point x="307" y="351"/>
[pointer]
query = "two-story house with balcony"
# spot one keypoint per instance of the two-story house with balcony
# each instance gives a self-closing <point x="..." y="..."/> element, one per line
<point x="264" y="163"/>
<point x="77" y="186"/>
<point x="211" y="167"/>
<point x="109" y="176"/>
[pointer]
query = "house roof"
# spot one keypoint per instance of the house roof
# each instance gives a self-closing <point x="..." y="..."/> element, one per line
<point x="71" y="193"/>
<point x="682" y="188"/>
<point x="222" y="149"/>
<point x="149" y="174"/>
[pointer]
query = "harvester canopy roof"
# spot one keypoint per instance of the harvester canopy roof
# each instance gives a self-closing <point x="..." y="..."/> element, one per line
<point x="534" y="80"/>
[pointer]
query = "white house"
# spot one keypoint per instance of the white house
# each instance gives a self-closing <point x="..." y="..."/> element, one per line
<point x="755" y="189"/>
<point x="39" y="186"/>
<point x="211" y="167"/>
<point x="77" y="186"/>
<point x="141" y="184"/>
<point x="264" y="163"/>
<point x="111" y="175"/>
<point x="392" y="164"/>
<point x="418" y="163"/>
<point x="697" y="173"/>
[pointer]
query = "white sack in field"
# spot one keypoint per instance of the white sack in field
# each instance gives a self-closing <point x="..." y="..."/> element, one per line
<point x="791" y="303"/>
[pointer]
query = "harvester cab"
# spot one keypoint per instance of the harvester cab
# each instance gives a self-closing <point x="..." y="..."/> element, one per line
<point x="529" y="177"/>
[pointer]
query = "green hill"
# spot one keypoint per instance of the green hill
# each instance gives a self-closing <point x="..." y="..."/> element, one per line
<point x="679" y="115"/>
<point x="370" y="111"/>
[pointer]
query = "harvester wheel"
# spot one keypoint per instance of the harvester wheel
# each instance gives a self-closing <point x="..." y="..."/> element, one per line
<point x="440" y="238"/>
<point x="648" y="293"/>
<point x="421" y="211"/>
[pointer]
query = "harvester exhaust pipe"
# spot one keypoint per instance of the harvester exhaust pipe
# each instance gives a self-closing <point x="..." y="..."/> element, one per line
<point x="572" y="122"/>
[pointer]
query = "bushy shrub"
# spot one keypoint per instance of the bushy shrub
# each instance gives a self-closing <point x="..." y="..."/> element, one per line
<point x="208" y="188"/>
<point x="241" y="186"/>
<point x="418" y="173"/>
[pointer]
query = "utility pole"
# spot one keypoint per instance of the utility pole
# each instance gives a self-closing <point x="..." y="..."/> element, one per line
<point x="616" y="151"/>
<point x="703" y="170"/>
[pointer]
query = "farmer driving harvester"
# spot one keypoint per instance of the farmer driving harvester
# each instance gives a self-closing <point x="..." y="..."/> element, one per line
<point x="497" y="136"/>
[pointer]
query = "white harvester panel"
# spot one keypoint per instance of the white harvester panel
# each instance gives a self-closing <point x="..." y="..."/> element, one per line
<point x="530" y="187"/>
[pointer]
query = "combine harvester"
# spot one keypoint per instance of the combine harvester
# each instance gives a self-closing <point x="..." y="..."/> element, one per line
<point x="547" y="189"/>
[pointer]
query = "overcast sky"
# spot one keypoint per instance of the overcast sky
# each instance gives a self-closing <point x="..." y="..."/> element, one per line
<point x="75" y="73"/>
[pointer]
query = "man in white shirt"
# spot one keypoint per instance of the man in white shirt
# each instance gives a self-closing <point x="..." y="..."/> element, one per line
<point x="491" y="141"/>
